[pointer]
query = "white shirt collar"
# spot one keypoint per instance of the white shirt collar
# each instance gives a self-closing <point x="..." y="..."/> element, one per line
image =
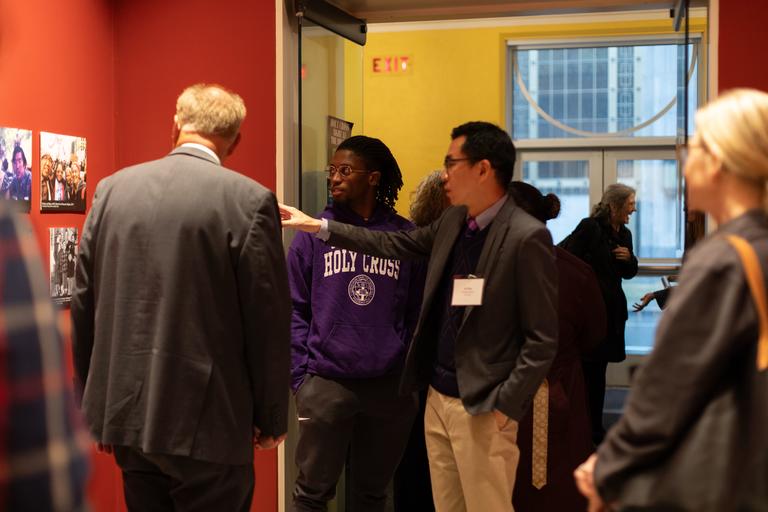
<point x="203" y="149"/>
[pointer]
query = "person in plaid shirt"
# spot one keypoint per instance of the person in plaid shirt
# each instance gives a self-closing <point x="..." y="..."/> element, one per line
<point x="43" y="447"/>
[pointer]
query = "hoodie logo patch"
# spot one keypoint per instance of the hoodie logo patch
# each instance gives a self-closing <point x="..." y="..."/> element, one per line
<point x="361" y="290"/>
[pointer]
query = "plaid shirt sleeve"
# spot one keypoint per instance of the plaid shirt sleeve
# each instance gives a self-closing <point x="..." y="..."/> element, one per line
<point x="43" y="448"/>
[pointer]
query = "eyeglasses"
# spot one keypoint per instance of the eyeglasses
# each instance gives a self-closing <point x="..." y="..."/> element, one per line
<point x="684" y="151"/>
<point x="449" y="162"/>
<point x="343" y="170"/>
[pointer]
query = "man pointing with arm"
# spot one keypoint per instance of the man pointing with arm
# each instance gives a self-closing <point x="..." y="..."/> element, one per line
<point x="487" y="331"/>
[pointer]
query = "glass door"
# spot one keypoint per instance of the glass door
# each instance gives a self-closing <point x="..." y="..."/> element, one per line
<point x="579" y="177"/>
<point x="330" y="109"/>
<point x="657" y="229"/>
<point x="331" y="100"/>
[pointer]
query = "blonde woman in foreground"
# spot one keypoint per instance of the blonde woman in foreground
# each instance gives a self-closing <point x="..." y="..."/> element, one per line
<point x="693" y="434"/>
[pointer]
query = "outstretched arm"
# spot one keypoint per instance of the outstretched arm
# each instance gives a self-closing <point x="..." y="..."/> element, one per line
<point x="644" y="301"/>
<point x="296" y="219"/>
<point x="413" y="244"/>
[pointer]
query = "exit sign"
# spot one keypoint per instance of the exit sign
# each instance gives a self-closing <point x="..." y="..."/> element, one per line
<point x="391" y="65"/>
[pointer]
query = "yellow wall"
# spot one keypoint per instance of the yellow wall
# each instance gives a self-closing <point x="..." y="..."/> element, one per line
<point x="457" y="75"/>
<point x="353" y="86"/>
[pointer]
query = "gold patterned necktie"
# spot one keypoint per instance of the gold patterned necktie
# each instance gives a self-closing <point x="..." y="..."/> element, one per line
<point x="540" y="434"/>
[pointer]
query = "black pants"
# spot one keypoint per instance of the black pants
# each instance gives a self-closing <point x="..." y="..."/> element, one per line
<point x="594" y="380"/>
<point x="365" y="418"/>
<point x="159" y="483"/>
<point x="412" y="488"/>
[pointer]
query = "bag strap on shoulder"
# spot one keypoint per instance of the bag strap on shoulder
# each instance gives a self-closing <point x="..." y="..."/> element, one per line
<point x="756" y="283"/>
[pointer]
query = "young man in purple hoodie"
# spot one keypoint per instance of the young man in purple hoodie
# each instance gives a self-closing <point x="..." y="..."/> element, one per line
<point x="353" y="318"/>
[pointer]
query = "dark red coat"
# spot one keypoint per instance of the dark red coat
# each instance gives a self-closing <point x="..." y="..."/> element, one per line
<point x="581" y="314"/>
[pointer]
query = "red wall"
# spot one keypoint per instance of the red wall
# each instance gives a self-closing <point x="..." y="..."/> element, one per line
<point x="56" y="62"/>
<point x="161" y="47"/>
<point x="742" y="41"/>
<point x="110" y="71"/>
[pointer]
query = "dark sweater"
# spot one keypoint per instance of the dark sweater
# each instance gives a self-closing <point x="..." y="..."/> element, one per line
<point x="463" y="261"/>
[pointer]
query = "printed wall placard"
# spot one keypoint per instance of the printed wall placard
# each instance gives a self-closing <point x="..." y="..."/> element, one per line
<point x="16" y="166"/>
<point x="338" y="131"/>
<point x="63" y="168"/>
<point x="63" y="256"/>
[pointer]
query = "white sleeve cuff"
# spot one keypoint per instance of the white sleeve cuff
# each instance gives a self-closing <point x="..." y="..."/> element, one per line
<point x="323" y="234"/>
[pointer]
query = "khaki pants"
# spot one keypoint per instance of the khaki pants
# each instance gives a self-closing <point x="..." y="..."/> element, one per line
<point x="472" y="463"/>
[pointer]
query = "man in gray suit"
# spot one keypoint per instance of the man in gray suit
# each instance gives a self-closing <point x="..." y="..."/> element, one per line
<point x="180" y="317"/>
<point x="487" y="331"/>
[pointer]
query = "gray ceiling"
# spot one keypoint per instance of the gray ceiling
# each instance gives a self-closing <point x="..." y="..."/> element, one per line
<point x="375" y="11"/>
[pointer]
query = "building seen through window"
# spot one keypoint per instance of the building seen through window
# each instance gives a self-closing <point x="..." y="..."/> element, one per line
<point x="567" y="102"/>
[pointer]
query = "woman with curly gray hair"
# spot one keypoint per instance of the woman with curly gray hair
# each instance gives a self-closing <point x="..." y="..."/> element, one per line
<point x="603" y="241"/>
<point x="428" y="201"/>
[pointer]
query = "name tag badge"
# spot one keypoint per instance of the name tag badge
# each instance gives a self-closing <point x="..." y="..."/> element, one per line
<point x="468" y="291"/>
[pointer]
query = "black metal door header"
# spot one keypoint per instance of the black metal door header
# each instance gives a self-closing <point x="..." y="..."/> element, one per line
<point x="334" y="19"/>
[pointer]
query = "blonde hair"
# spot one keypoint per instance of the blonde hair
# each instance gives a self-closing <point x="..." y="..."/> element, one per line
<point x="210" y="109"/>
<point x="734" y="127"/>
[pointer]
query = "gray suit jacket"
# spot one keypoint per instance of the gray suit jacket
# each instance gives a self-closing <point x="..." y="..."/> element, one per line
<point x="503" y="348"/>
<point x="181" y="311"/>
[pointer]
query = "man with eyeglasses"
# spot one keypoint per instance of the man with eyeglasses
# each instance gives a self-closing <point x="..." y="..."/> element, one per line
<point x="353" y="318"/>
<point x="487" y="331"/>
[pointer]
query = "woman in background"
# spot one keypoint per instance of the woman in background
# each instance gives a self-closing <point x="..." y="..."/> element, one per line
<point x="604" y="243"/>
<point x="428" y="200"/>
<point x="411" y="485"/>
<point x="692" y="437"/>
<point x="581" y="317"/>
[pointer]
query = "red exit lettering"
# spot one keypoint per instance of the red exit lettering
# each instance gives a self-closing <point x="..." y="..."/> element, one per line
<point x="391" y="64"/>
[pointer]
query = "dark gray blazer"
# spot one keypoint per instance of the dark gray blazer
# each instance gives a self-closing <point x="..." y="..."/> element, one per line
<point x="181" y="311"/>
<point x="503" y="348"/>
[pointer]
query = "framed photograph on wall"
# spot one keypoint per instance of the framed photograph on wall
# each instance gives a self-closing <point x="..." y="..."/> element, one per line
<point x="62" y="260"/>
<point x="63" y="171"/>
<point x="16" y="166"/>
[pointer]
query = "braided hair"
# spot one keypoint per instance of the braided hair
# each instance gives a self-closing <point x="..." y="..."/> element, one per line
<point x="377" y="157"/>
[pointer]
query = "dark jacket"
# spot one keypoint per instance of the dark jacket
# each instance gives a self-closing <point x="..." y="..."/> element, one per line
<point x="581" y="315"/>
<point x="181" y="311"/>
<point x="693" y="435"/>
<point x="21" y="188"/>
<point x="503" y="348"/>
<point x="353" y="314"/>
<point x="592" y="241"/>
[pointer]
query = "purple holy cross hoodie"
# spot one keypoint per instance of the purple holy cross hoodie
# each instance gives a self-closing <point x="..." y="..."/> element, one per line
<point x="353" y="314"/>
